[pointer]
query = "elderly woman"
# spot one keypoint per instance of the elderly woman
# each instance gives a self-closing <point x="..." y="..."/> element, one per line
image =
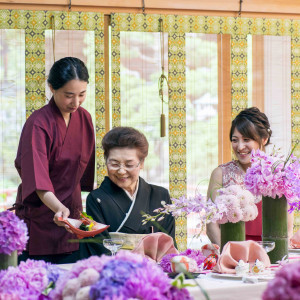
<point x="123" y="196"/>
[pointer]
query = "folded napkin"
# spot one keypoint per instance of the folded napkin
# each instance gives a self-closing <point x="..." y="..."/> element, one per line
<point x="232" y="252"/>
<point x="295" y="240"/>
<point x="156" y="246"/>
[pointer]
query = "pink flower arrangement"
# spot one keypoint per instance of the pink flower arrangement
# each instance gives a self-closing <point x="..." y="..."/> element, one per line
<point x="196" y="255"/>
<point x="237" y="203"/>
<point x="124" y="276"/>
<point x="28" y="280"/>
<point x="13" y="233"/>
<point x="271" y="176"/>
<point x="285" y="285"/>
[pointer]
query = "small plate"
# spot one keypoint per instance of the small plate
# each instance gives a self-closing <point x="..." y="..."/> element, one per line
<point x="186" y="276"/>
<point x="294" y="250"/>
<point x="75" y="224"/>
<point x="260" y="277"/>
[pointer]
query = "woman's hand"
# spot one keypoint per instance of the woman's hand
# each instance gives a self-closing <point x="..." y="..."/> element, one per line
<point x="62" y="213"/>
<point x="50" y="200"/>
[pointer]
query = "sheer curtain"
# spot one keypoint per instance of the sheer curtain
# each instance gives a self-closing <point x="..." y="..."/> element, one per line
<point x="271" y="86"/>
<point x="201" y="115"/>
<point x="140" y="60"/>
<point x="12" y="109"/>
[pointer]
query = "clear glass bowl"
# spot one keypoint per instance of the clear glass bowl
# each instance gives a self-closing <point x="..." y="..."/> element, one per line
<point x="267" y="245"/>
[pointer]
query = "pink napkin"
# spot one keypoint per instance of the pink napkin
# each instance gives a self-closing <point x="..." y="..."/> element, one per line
<point x="156" y="246"/>
<point x="232" y="252"/>
<point x="295" y="240"/>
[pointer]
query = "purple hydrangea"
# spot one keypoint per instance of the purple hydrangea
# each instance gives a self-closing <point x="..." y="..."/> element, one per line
<point x="95" y="262"/>
<point x="124" y="276"/>
<point x="27" y="281"/>
<point x="113" y="276"/>
<point x="13" y="233"/>
<point x="285" y="285"/>
<point x="149" y="283"/>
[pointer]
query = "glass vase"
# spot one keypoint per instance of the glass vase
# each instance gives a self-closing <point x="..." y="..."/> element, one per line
<point x="7" y="260"/>
<point x="274" y="219"/>
<point x="232" y="232"/>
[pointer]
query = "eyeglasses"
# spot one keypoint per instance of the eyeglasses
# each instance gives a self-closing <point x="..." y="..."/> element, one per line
<point x="127" y="166"/>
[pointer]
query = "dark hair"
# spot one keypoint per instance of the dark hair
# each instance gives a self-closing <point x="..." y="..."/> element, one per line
<point x="65" y="70"/>
<point x="253" y="124"/>
<point x="125" y="137"/>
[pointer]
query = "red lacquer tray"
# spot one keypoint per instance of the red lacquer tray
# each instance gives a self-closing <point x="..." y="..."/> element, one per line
<point x="75" y="224"/>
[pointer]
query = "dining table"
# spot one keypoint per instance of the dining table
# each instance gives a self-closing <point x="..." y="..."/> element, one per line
<point x="232" y="287"/>
<point x="228" y="287"/>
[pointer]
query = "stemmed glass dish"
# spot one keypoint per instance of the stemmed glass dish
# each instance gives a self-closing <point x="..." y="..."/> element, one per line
<point x="267" y="245"/>
<point x="113" y="245"/>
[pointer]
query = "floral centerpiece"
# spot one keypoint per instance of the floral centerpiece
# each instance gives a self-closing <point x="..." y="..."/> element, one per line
<point x="232" y="205"/>
<point x="13" y="238"/>
<point x="278" y="181"/>
<point x="30" y="280"/>
<point x="285" y="285"/>
<point x="195" y="255"/>
<point x="239" y="207"/>
<point x="124" y="276"/>
<point x="207" y="211"/>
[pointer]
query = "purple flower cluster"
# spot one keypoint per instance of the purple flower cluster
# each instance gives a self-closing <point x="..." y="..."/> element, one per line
<point x="124" y="276"/>
<point x="292" y="183"/>
<point x="270" y="175"/>
<point x="27" y="281"/>
<point x="238" y="204"/>
<point x="285" y="285"/>
<point x="13" y="233"/>
<point x="196" y="255"/>
<point x="207" y="211"/>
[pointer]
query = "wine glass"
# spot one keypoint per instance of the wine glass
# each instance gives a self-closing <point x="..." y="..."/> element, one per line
<point x="113" y="245"/>
<point x="267" y="245"/>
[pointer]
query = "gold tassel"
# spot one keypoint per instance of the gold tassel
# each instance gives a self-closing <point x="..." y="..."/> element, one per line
<point x="162" y="125"/>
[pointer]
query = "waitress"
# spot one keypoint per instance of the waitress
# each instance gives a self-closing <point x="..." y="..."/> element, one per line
<point x="55" y="160"/>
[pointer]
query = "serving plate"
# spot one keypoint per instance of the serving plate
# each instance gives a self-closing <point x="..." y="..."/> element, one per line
<point x="75" y="224"/>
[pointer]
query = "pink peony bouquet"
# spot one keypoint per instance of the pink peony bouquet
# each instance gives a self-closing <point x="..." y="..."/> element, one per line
<point x="120" y="277"/>
<point x="13" y="233"/>
<point x="285" y="285"/>
<point x="30" y="280"/>
<point x="271" y="176"/>
<point x="237" y="203"/>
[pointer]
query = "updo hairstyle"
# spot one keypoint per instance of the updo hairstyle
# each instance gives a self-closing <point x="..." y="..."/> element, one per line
<point x="65" y="70"/>
<point x="125" y="137"/>
<point x="253" y="124"/>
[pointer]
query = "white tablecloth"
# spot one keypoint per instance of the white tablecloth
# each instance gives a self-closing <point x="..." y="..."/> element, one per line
<point x="226" y="289"/>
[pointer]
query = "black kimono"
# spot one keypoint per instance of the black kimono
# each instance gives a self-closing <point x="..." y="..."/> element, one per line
<point x="109" y="204"/>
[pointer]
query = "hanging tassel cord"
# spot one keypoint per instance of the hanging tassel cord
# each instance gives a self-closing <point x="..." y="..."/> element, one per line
<point x="53" y="36"/>
<point x="163" y="78"/>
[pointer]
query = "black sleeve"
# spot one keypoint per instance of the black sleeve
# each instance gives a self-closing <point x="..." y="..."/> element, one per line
<point x="94" y="246"/>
